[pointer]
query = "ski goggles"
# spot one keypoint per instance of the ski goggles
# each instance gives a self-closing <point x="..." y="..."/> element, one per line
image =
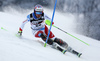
<point x="38" y="13"/>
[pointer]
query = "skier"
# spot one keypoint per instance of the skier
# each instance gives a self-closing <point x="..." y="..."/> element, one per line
<point x="40" y="30"/>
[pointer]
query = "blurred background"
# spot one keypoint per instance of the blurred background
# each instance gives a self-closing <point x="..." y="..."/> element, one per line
<point x="87" y="12"/>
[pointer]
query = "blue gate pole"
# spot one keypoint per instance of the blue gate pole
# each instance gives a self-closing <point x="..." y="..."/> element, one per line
<point x="51" y="23"/>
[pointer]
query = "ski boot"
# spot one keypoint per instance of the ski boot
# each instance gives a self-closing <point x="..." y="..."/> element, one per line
<point x="76" y="53"/>
<point x="69" y="49"/>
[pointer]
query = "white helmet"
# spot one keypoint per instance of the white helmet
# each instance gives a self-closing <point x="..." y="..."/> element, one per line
<point x="38" y="8"/>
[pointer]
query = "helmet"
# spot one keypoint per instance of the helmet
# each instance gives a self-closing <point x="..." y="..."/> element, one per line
<point x="38" y="9"/>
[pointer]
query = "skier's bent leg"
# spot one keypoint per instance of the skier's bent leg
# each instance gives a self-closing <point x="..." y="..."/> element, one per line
<point x="44" y="37"/>
<point x="61" y="42"/>
<point x="53" y="44"/>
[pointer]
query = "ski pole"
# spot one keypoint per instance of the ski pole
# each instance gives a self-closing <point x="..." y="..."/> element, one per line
<point x="9" y="31"/>
<point x="49" y="22"/>
<point x="3" y="29"/>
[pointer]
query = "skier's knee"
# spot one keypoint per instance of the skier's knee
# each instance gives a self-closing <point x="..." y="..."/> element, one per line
<point x="61" y="42"/>
<point x="44" y="37"/>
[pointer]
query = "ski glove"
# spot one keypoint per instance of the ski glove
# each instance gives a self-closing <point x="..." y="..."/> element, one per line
<point x="48" y="22"/>
<point x="19" y="33"/>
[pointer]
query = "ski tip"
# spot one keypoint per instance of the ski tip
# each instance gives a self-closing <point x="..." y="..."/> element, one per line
<point x="79" y="55"/>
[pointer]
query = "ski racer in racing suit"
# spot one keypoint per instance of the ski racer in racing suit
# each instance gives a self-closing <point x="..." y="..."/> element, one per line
<point x="40" y="30"/>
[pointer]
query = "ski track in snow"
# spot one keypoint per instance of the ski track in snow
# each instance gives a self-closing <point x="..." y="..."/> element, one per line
<point x="28" y="49"/>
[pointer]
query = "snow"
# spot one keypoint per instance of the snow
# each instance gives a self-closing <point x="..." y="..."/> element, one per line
<point x="28" y="49"/>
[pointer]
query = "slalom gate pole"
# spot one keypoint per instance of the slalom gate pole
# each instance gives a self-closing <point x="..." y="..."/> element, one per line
<point x="51" y="23"/>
